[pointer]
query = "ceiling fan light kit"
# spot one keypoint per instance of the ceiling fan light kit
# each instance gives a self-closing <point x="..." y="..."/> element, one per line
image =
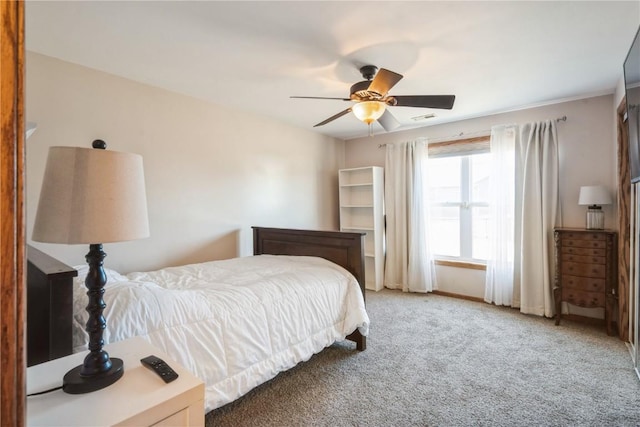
<point x="368" y="111"/>
<point x="371" y="99"/>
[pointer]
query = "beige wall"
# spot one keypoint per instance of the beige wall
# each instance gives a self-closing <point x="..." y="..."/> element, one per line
<point x="588" y="153"/>
<point x="211" y="172"/>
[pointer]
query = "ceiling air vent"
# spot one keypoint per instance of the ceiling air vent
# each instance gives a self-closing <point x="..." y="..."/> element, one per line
<point x="423" y="117"/>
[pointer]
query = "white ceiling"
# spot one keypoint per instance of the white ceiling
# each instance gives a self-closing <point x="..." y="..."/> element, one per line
<point x="494" y="56"/>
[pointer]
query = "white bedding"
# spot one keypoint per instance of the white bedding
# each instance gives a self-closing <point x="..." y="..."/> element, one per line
<point x="235" y="323"/>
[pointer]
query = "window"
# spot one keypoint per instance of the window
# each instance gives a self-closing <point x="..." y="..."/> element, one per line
<point x="459" y="211"/>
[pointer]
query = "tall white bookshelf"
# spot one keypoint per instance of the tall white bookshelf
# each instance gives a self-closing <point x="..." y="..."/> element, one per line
<point x="362" y="210"/>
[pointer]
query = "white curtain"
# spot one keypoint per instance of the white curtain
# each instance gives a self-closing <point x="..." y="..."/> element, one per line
<point x="500" y="277"/>
<point x="409" y="265"/>
<point x="538" y="157"/>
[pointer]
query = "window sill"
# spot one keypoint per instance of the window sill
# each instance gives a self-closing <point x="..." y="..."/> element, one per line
<point x="461" y="264"/>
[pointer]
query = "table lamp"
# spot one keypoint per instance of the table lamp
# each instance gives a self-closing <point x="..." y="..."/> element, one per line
<point x="92" y="196"/>
<point x="594" y="196"/>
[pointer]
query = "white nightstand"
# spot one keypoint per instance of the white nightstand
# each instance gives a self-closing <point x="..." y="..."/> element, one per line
<point x="139" y="398"/>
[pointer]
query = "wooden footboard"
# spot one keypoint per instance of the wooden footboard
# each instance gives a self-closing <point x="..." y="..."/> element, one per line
<point x="344" y="249"/>
<point x="49" y="307"/>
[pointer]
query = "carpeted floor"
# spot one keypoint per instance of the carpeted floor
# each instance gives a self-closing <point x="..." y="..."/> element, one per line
<point x="438" y="361"/>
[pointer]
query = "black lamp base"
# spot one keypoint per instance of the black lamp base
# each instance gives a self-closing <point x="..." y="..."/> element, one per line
<point x="74" y="383"/>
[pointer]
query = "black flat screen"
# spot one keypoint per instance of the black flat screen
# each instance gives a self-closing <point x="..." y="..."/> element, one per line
<point x="632" y="88"/>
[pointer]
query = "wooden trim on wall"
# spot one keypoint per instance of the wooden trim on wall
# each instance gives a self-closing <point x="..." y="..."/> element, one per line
<point x="458" y="296"/>
<point x="459" y="147"/>
<point x="624" y="221"/>
<point x="461" y="264"/>
<point x="12" y="227"/>
<point x="484" y="138"/>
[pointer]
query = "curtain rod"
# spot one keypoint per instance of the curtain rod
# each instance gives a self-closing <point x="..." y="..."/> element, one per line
<point x="559" y="119"/>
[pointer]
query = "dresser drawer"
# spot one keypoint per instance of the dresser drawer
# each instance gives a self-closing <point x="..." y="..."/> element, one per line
<point x="583" y="251"/>
<point x="585" y="259"/>
<point x="583" y="283"/>
<point x="601" y="244"/>
<point x="571" y="235"/>
<point x="583" y="298"/>
<point x="584" y="270"/>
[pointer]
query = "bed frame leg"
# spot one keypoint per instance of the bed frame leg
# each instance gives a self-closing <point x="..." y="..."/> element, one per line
<point x="359" y="339"/>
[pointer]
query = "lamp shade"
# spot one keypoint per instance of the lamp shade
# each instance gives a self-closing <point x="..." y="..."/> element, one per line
<point x="91" y="196"/>
<point x="368" y="111"/>
<point x="594" y="195"/>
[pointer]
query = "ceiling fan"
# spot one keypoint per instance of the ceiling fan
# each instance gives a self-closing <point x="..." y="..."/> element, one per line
<point x="371" y="98"/>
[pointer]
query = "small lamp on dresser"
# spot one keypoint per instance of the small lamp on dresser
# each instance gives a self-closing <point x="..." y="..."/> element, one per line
<point x="594" y="196"/>
<point x="92" y="196"/>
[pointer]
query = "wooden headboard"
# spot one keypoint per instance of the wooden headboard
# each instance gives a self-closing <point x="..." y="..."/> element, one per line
<point x="343" y="248"/>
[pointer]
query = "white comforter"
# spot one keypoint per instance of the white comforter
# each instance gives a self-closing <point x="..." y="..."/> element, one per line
<point x="235" y="323"/>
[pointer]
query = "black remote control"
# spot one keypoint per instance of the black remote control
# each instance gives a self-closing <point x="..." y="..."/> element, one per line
<point x="160" y="367"/>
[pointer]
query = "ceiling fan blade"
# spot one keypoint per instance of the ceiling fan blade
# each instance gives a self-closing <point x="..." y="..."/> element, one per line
<point x="388" y="121"/>
<point x="320" y="97"/>
<point x="426" y="101"/>
<point x="335" y="116"/>
<point x="383" y="81"/>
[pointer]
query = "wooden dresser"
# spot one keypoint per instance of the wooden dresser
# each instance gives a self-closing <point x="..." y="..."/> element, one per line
<point x="586" y="271"/>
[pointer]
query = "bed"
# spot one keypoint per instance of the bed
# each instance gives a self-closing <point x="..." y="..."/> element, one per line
<point x="234" y="323"/>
